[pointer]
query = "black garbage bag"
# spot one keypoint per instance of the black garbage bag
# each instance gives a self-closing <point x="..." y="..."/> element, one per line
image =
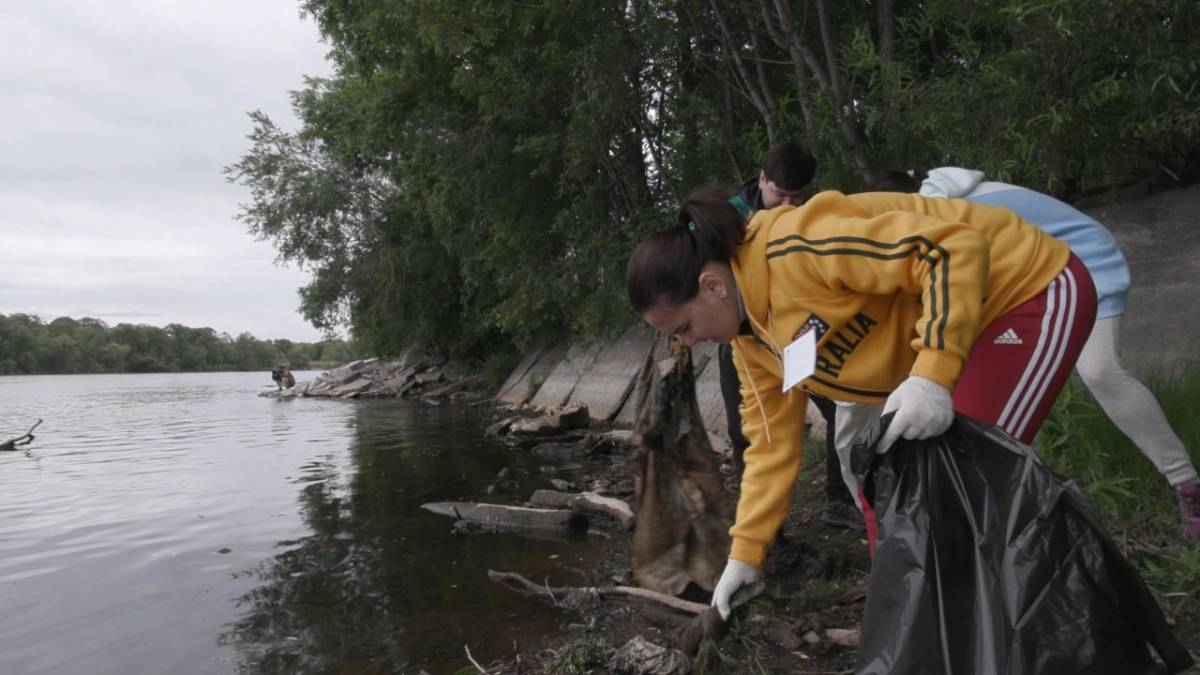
<point x="987" y="563"/>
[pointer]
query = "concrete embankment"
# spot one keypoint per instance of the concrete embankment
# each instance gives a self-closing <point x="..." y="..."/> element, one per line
<point x="1160" y="236"/>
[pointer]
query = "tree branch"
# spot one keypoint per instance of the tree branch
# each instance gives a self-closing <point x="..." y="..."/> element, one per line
<point x="887" y="29"/>
<point x="524" y="586"/>
<point x="25" y="439"/>
<point x="759" y="99"/>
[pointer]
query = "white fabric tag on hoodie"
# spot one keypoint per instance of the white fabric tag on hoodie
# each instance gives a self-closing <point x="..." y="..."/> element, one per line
<point x="799" y="360"/>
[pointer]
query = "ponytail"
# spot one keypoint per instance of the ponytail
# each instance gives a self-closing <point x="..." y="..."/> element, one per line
<point x="898" y="181"/>
<point x="665" y="268"/>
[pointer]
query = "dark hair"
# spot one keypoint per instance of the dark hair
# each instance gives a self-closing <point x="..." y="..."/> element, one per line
<point x="789" y="166"/>
<point x="665" y="268"/>
<point x="897" y="181"/>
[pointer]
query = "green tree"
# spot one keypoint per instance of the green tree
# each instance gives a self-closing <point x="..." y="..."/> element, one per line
<point x="473" y="175"/>
<point x="66" y="345"/>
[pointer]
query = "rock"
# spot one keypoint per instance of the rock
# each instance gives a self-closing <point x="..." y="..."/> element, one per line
<point x="620" y="436"/>
<point x="501" y="428"/>
<point x="504" y="473"/>
<point x="642" y="657"/>
<point x="561" y="484"/>
<point x="454" y="387"/>
<point x="356" y="366"/>
<point x="559" y="452"/>
<point x="429" y="376"/>
<point x="408" y="386"/>
<point x="351" y="389"/>
<point x="611" y="507"/>
<point x="811" y="638"/>
<point x="396" y="383"/>
<point x="455" y="369"/>
<point x="562" y="419"/>
<point x="843" y="637"/>
<point x="526" y="441"/>
<point x="414" y="359"/>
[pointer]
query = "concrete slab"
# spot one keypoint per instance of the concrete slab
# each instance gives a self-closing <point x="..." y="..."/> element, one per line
<point x="557" y="388"/>
<point x="517" y="374"/>
<point x="531" y="381"/>
<point x="626" y="414"/>
<point x="1158" y="236"/>
<point x="606" y="385"/>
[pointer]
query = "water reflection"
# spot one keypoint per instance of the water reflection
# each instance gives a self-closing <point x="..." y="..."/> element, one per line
<point x="179" y="523"/>
<point x="380" y="585"/>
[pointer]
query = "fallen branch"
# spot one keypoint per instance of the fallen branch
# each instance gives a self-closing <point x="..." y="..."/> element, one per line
<point x="614" y="508"/>
<point x="26" y="439"/>
<point x="475" y="663"/>
<point x="498" y="516"/>
<point x="572" y="595"/>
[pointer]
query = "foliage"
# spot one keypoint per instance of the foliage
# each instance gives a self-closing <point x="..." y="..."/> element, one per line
<point x="1044" y="94"/>
<point x="474" y="174"/>
<point x="65" y="345"/>
<point x="499" y="366"/>
<point x="1078" y="441"/>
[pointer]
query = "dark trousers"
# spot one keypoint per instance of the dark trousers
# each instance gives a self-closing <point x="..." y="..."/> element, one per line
<point x="835" y="487"/>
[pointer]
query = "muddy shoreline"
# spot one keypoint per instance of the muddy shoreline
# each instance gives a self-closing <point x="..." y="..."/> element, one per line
<point x="816" y="576"/>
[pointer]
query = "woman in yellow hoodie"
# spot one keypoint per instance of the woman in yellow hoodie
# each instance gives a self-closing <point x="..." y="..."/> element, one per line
<point x="927" y="306"/>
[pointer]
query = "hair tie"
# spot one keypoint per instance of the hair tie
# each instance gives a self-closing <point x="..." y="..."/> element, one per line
<point x="742" y="207"/>
<point x="691" y="227"/>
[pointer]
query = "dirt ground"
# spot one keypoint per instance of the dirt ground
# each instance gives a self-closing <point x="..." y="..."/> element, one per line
<point x="816" y="580"/>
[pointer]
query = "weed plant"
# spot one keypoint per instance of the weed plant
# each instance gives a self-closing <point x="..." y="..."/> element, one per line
<point x="1132" y="498"/>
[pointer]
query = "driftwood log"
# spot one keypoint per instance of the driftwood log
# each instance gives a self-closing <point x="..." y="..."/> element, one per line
<point x="614" y="508"/>
<point x="571" y="596"/>
<point x="26" y="439"/>
<point x="500" y="517"/>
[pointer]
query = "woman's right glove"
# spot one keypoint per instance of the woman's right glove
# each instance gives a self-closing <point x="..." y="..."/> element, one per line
<point x="924" y="409"/>
<point x="736" y="575"/>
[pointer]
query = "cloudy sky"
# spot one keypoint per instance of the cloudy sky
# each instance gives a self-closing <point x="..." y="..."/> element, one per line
<point x="116" y="119"/>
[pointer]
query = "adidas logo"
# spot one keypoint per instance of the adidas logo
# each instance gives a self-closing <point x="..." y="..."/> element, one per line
<point x="1008" y="337"/>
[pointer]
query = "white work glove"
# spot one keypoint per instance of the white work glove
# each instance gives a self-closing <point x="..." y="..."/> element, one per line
<point x="923" y="408"/>
<point x="736" y="575"/>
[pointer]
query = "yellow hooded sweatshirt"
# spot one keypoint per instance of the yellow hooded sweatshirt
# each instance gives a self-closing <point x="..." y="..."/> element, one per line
<point x="894" y="284"/>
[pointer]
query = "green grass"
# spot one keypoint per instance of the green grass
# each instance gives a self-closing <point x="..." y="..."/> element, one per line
<point x="581" y="657"/>
<point x="1132" y="498"/>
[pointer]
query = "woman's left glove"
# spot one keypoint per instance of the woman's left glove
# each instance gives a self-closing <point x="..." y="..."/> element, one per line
<point x="924" y="409"/>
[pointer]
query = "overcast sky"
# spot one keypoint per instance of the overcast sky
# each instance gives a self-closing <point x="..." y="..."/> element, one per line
<point x="116" y="119"/>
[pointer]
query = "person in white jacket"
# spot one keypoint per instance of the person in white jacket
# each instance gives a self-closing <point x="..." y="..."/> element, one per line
<point x="1126" y="401"/>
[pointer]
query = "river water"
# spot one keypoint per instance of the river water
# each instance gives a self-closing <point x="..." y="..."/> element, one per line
<point x="183" y="524"/>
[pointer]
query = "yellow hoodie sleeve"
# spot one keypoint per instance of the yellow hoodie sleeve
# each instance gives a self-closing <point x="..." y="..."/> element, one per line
<point x="853" y="251"/>
<point x="776" y="434"/>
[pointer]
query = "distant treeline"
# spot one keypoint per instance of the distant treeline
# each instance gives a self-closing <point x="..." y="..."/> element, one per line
<point x="30" y="346"/>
